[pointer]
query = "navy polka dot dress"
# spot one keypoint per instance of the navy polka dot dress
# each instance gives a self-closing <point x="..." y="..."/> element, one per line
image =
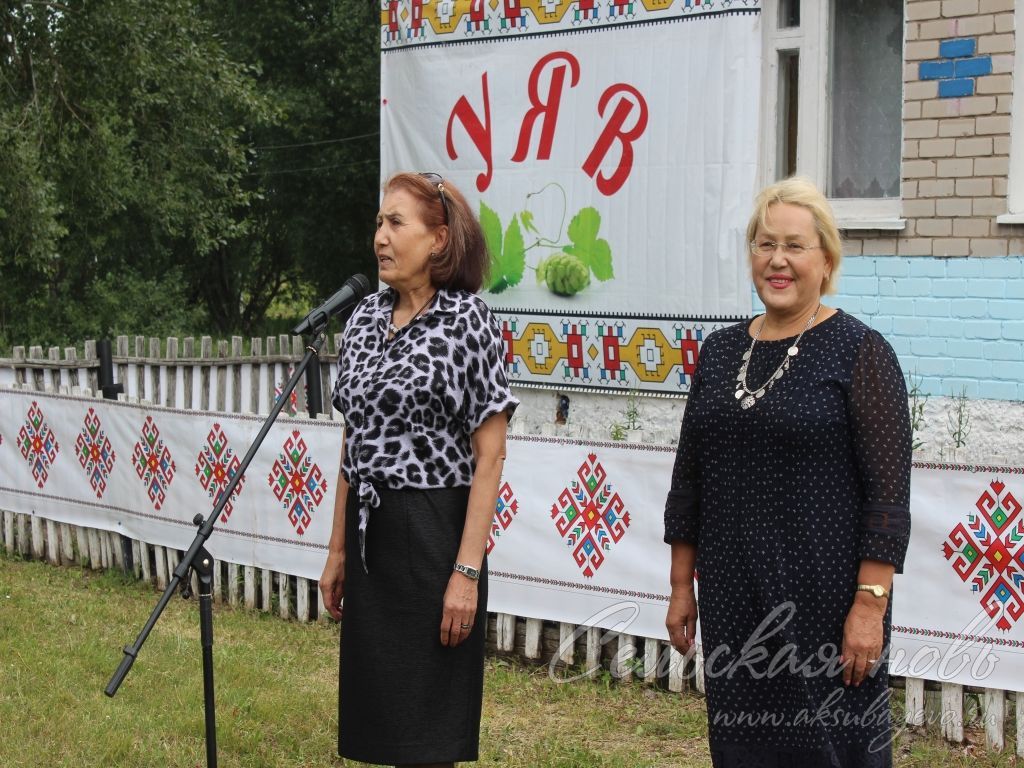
<point x="784" y="500"/>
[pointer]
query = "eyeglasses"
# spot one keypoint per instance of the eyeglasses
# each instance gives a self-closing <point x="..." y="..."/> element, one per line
<point x="437" y="181"/>
<point x="767" y="248"/>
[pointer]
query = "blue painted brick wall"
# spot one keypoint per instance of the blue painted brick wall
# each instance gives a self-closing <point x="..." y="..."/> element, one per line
<point x="951" y="89"/>
<point x="958" y="324"/>
<point x="976" y="67"/>
<point x="956" y="68"/>
<point x="934" y="70"/>
<point x="961" y="46"/>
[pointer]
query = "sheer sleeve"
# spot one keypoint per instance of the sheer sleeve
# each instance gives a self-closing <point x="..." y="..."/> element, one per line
<point x="682" y="507"/>
<point x="880" y="424"/>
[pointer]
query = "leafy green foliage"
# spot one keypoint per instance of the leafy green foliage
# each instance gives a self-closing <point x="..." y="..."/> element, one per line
<point x="565" y="273"/>
<point x="129" y="304"/>
<point x="211" y="136"/>
<point x="526" y="217"/>
<point x="508" y="252"/>
<point x="592" y="250"/>
<point x="313" y="167"/>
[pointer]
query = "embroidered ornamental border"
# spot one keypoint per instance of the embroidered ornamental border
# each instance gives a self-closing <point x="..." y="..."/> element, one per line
<point x="654" y="355"/>
<point x="408" y="24"/>
<point x="164" y="519"/>
<point x="647" y="447"/>
<point x="151" y="409"/>
<point x="922" y="632"/>
<point x="982" y="468"/>
<point x="578" y="586"/>
<point x="146" y="447"/>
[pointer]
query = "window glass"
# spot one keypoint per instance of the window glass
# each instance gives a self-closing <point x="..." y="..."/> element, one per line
<point x="866" y="95"/>
<point x="789" y="13"/>
<point x="789" y="80"/>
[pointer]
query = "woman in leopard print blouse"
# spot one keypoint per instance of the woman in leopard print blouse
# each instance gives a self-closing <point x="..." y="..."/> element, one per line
<point x="426" y="402"/>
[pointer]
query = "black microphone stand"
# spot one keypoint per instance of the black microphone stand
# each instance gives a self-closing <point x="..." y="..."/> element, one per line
<point x="199" y="560"/>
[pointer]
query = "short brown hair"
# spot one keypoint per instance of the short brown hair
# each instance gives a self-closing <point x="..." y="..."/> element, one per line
<point x="797" y="190"/>
<point x="463" y="260"/>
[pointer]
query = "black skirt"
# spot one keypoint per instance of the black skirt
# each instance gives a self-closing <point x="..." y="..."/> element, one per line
<point x="404" y="697"/>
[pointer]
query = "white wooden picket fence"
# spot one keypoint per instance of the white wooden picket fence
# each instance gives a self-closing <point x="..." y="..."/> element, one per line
<point x="224" y="377"/>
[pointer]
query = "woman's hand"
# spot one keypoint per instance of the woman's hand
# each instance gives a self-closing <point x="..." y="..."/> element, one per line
<point x="459" y="609"/>
<point x="681" y="619"/>
<point x="332" y="583"/>
<point x="862" y="637"/>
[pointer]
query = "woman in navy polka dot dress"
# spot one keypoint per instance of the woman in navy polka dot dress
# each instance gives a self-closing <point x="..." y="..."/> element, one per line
<point x="789" y="506"/>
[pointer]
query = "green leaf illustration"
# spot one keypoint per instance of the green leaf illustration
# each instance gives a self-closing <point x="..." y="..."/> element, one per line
<point x="592" y="250"/>
<point x="527" y="218"/>
<point x="491" y="225"/>
<point x="513" y="256"/>
<point x="508" y="257"/>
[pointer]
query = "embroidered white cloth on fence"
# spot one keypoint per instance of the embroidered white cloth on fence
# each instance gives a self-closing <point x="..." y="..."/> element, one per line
<point x="146" y="472"/>
<point x="576" y="535"/>
<point x="958" y="608"/>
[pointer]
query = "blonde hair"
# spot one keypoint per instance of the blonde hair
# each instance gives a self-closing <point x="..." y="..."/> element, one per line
<point x="798" y="190"/>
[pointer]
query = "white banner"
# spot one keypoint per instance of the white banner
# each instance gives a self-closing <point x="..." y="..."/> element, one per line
<point x="576" y="536"/>
<point x="958" y="607"/>
<point x="147" y="472"/>
<point x="611" y="153"/>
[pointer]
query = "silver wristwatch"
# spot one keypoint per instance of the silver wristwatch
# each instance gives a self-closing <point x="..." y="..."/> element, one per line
<point x="468" y="571"/>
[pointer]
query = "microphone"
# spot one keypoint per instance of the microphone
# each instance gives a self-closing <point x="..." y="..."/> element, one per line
<point x="347" y="296"/>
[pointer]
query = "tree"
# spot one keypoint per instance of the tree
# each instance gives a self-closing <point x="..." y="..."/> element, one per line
<point x="29" y="227"/>
<point x="139" y="137"/>
<point x="314" y="168"/>
<point x="124" y="119"/>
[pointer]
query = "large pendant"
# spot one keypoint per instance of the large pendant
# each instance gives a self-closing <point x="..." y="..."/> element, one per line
<point x="747" y="401"/>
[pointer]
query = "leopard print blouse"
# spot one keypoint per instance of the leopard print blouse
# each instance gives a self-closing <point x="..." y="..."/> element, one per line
<point x="411" y="404"/>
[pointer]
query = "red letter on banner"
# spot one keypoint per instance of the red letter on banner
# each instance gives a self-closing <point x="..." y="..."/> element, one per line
<point x="614" y="130"/>
<point x="480" y="133"/>
<point x="547" y="109"/>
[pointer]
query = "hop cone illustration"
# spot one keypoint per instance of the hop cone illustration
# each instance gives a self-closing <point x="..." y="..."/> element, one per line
<point x="564" y="274"/>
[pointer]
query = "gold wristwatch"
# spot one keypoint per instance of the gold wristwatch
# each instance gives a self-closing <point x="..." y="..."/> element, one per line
<point x="875" y="589"/>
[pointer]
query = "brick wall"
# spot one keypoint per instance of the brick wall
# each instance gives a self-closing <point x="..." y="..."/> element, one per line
<point x="948" y="290"/>
<point x="958" y="86"/>
<point x="958" y="324"/>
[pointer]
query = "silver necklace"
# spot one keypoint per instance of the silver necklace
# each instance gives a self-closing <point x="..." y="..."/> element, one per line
<point x="749" y="397"/>
<point x="394" y="329"/>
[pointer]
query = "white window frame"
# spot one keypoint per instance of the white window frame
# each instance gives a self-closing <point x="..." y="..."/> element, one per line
<point x="1015" y="180"/>
<point x="811" y="41"/>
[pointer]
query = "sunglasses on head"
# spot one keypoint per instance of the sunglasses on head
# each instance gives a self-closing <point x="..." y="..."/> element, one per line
<point x="437" y="181"/>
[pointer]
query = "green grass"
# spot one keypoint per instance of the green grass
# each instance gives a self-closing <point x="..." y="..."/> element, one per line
<point x="61" y="634"/>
